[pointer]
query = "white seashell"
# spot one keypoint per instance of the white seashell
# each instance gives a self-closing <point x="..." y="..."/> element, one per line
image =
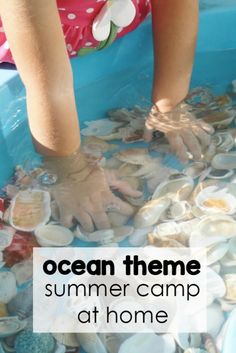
<point x="230" y="283"/>
<point x="53" y="235"/>
<point x="91" y="343"/>
<point x="23" y="271"/>
<point x="100" y="127"/>
<point x="225" y="141"/>
<point x="67" y="339"/>
<point x="148" y="342"/>
<point x="215" y="319"/>
<point x="215" y="285"/>
<point x="217" y="225"/>
<point x="151" y="212"/>
<point x="224" y="161"/>
<point x="220" y="173"/>
<point x="177" y="187"/>
<point x="223" y="332"/>
<point x="179" y="211"/>
<point x="6" y="236"/>
<point x="30" y="209"/>
<point x="214" y="199"/>
<point x="220" y="119"/>
<point x="167" y="229"/>
<point x="216" y="252"/>
<point x="8" y="289"/>
<point x="195" y="350"/>
<point x="195" y="169"/>
<point x="139" y="236"/>
<point x="96" y="236"/>
<point x="60" y="348"/>
<point x="11" y="325"/>
<point x="121" y="233"/>
<point x="187" y="340"/>
<point x="232" y="248"/>
<point x="216" y="266"/>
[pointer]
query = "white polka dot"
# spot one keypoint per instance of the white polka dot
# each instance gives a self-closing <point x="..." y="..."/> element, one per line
<point x="69" y="47"/>
<point x="6" y="45"/>
<point x="71" y="16"/>
<point x="88" y="44"/>
<point x="90" y="10"/>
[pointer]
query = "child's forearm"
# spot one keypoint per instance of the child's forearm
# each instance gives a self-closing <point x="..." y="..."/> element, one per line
<point x="175" y="26"/>
<point x="37" y="43"/>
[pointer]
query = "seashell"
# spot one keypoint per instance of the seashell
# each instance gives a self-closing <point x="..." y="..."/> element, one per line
<point x="216" y="266"/>
<point x="215" y="199"/>
<point x="137" y="156"/>
<point x="91" y="343"/>
<point x="10" y="325"/>
<point x="163" y="174"/>
<point x="216" y="252"/>
<point x="100" y="127"/>
<point x="53" y="235"/>
<point x="23" y="271"/>
<point x="217" y="226"/>
<point x="22" y="304"/>
<point x="232" y="248"/>
<point x="209" y="343"/>
<point x="121" y="233"/>
<point x="195" y="169"/>
<point x="167" y="229"/>
<point x="224" y="160"/>
<point x="195" y="350"/>
<point x="220" y="173"/>
<point x="67" y="339"/>
<point x="151" y="212"/>
<point x="30" y="342"/>
<point x="187" y="340"/>
<point x="179" y="211"/>
<point x="219" y="119"/>
<point x="6" y="236"/>
<point x="96" y="236"/>
<point x="29" y="209"/>
<point x="177" y="187"/>
<point x="8" y="287"/>
<point x="224" y="141"/>
<point x="215" y="286"/>
<point x="215" y="319"/>
<point x="139" y="236"/>
<point x="60" y="348"/>
<point x="148" y="342"/>
<point x="230" y="282"/>
<point x="163" y="242"/>
<point x="95" y="144"/>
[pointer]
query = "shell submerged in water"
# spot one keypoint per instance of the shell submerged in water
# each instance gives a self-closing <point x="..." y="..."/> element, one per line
<point x="8" y="287"/>
<point x="53" y="235"/>
<point x="148" y="342"/>
<point x="151" y="212"/>
<point x="178" y="187"/>
<point x="29" y="209"/>
<point x="10" y="326"/>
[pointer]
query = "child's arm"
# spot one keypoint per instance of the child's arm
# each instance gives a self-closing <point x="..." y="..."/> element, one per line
<point x="37" y="43"/>
<point x="175" y="25"/>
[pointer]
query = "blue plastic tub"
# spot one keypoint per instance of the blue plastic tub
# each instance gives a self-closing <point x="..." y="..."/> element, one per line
<point x="122" y="76"/>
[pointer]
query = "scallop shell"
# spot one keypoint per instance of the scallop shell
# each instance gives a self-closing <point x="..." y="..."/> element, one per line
<point x="179" y="211"/>
<point x="30" y="209"/>
<point x="216" y="252"/>
<point x="224" y="141"/>
<point x="53" y="235"/>
<point x="230" y="282"/>
<point x="151" y="212"/>
<point x="67" y="339"/>
<point x="91" y="343"/>
<point x="177" y="187"/>
<point x="23" y="271"/>
<point x="224" y="160"/>
<point x="139" y="236"/>
<point x="8" y="287"/>
<point x="220" y="173"/>
<point x="214" y="199"/>
<point x="96" y="236"/>
<point x="195" y="169"/>
<point x="219" y="119"/>
<point x="10" y="326"/>
<point x="148" y="342"/>
<point x="100" y="127"/>
<point x="135" y="156"/>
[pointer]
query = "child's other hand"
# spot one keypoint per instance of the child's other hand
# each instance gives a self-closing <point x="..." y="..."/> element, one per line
<point x="83" y="193"/>
<point x="184" y="132"/>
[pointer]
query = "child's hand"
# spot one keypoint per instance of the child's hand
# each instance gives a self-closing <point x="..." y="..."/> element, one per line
<point x="83" y="193"/>
<point x="184" y="132"/>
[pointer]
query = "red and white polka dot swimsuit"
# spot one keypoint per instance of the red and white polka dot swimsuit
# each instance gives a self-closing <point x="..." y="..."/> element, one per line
<point x="90" y="25"/>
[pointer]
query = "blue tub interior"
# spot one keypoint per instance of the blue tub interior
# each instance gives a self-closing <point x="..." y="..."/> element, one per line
<point x="121" y="76"/>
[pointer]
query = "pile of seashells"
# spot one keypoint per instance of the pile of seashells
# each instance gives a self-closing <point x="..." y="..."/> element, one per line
<point x="190" y="207"/>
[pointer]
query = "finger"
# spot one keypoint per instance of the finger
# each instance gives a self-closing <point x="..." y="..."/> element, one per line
<point x="66" y="218"/>
<point x="101" y="219"/>
<point x="148" y="131"/>
<point x="126" y="189"/>
<point x="208" y="128"/>
<point x="85" y="220"/>
<point x="178" y="147"/>
<point x="98" y="210"/>
<point x="204" y="138"/>
<point x="122" y="207"/>
<point x="192" y="143"/>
